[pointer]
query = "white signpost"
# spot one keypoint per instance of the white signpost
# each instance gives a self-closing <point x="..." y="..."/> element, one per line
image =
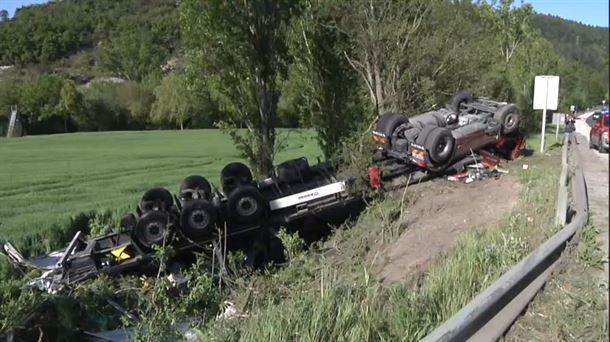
<point x="558" y="119"/>
<point x="546" y="96"/>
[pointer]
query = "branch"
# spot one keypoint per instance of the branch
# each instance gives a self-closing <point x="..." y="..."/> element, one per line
<point x="354" y="65"/>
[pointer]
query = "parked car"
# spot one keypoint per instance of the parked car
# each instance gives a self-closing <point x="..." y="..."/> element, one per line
<point x="435" y="140"/>
<point x="242" y="215"/>
<point x="593" y="118"/>
<point x="598" y="136"/>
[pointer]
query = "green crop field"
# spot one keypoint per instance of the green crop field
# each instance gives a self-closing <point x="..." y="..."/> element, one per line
<point x="45" y="180"/>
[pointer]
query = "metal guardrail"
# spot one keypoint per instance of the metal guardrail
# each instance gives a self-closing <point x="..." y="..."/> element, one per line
<point x="489" y="315"/>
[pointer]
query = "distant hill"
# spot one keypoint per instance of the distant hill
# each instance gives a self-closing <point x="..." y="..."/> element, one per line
<point x="126" y="37"/>
<point x="104" y="35"/>
<point x="587" y="45"/>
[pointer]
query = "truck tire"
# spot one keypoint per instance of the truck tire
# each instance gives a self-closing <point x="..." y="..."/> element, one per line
<point x="198" y="219"/>
<point x="388" y="122"/>
<point x="246" y="204"/>
<point x="458" y="100"/>
<point x="158" y="198"/>
<point x="151" y="230"/>
<point x="197" y="183"/>
<point x="234" y="175"/>
<point x="508" y="116"/>
<point x="293" y="171"/>
<point x="440" y="144"/>
<point x="128" y="222"/>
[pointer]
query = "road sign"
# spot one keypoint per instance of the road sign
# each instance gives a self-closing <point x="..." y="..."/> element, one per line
<point x="546" y="96"/>
<point x="559" y="119"/>
<point x="546" y="92"/>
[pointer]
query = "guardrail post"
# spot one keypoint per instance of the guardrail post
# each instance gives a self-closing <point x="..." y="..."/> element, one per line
<point x="562" y="194"/>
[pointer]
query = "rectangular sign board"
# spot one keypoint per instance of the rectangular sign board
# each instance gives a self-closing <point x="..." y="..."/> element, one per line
<point x="546" y="92"/>
<point x="559" y="119"/>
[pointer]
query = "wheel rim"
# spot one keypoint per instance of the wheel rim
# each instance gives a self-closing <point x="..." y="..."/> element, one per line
<point x="511" y="120"/>
<point x="443" y="149"/>
<point x="246" y="206"/>
<point x="199" y="219"/>
<point x="153" y="232"/>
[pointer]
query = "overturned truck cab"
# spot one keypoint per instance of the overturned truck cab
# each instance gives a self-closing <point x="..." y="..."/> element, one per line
<point x="438" y="140"/>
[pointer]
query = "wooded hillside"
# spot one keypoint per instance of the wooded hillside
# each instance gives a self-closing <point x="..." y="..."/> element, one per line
<point x="82" y="65"/>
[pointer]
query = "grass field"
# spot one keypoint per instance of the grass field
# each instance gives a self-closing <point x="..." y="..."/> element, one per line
<point x="44" y="180"/>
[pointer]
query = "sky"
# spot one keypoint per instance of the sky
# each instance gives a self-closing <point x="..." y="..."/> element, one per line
<point x="590" y="12"/>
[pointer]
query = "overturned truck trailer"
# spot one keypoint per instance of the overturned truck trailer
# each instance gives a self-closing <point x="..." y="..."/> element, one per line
<point x="243" y="215"/>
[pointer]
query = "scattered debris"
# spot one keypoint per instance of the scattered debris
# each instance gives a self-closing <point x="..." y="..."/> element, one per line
<point x="485" y="165"/>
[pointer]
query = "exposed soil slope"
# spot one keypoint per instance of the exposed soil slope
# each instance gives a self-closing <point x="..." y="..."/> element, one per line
<point x="436" y="219"/>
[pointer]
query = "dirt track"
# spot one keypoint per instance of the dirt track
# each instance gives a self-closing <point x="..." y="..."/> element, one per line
<point x="439" y="216"/>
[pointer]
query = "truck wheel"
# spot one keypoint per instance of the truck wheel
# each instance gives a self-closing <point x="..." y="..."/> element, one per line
<point x="197" y="219"/>
<point x="158" y="198"/>
<point x="151" y="229"/>
<point x="128" y="221"/>
<point x="196" y="182"/>
<point x="292" y="171"/>
<point x="440" y="144"/>
<point x="508" y="116"/>
<point x="246" y="204"/>
<point x="458" y="100"/>
<point x="388" y="122"/>
<point x="234" y="175"/>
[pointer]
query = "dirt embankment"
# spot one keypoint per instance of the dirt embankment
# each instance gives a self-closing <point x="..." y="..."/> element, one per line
<point x="440" y="214"/>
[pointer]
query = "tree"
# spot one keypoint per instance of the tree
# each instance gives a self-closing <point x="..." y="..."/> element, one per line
<point x="173" y="102"/>
<point x="133" y="54"/>
<point x="238" y="50"/>
<point x="513" y="27"/>
<point x="382" y="32"/>
<point x="39" y="101"/>
<point x="70" y="102"/>
<point x="326" y="82"/>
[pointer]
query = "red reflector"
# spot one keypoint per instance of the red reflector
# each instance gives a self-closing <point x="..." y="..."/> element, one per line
<point x="374" y="177"/>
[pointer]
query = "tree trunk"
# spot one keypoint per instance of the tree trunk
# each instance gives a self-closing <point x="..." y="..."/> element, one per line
<point x="65" y="124"/>
<point x="181" y="125"/>
<point x="378" y="85"/>
<point x="266" y="131"/>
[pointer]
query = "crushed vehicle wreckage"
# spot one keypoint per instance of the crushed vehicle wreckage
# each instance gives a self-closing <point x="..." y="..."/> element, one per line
<point x="245" y="213"/>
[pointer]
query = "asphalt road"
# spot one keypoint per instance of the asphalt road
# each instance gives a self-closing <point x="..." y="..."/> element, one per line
<point x="595" y="166"/>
